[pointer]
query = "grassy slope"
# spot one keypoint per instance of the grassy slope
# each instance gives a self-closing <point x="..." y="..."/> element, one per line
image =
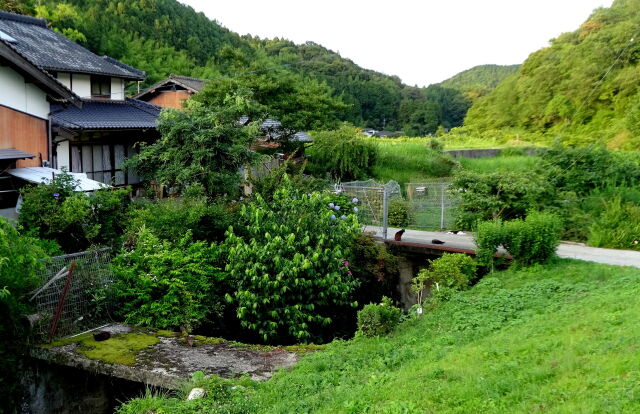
<point x="408" y="160"/>
<point x="562" y="338"/>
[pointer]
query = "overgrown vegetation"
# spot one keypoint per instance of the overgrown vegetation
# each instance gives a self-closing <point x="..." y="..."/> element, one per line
<point x="289" y="264"/>
<point x="342" y="154"/>
<point x="511" y="343"/>
<point x="529" y="241"/>
<point x="73" y="220"/>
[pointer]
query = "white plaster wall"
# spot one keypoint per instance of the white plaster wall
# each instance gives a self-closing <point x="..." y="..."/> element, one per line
<point x="62" y="153"/>
<point x="37" y="103"/>
<point x="25" y="97"/>
<point x="117" y="89"/>
<point x="65" y="79"/>
<point x="81" y="85"/>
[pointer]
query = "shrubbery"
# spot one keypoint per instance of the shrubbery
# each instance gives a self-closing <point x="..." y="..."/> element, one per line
<point x="169" y="285"/>
<point x="529" y="241"/>
<point x="378" y="319"/>
<point x="342" y="153"/>
<point x="75" y="220"/>
<point x="398" y="212"/>
<point x="289" y="267"/>
<point x="617" y="226"/>
<point x="19" y="261"/>
<point x="170" y="219"/>
<point x="450" y="271"/>
<point x="504" y="195"/>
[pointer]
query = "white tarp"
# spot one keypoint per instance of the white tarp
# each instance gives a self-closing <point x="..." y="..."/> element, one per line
<point x="41" y="175"/>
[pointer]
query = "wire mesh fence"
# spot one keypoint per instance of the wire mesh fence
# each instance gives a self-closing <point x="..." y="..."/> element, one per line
<point x="371" y="195"/>
<point x="430" y="205"/>
<point x="75" y="294"/>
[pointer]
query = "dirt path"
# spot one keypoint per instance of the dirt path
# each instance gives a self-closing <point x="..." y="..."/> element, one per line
<point x="565" y="250"/>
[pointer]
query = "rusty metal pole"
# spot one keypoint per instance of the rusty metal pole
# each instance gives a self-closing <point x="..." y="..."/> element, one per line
<point x="63" y="296"/>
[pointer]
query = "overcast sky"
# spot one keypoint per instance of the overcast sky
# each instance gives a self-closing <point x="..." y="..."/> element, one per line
<point x="421" y="41"/>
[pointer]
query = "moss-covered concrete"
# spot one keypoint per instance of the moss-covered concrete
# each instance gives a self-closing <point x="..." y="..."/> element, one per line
<point x="166" y="359"/>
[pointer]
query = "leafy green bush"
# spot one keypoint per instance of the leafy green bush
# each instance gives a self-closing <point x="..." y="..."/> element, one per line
<point x="19" y="261"/>
<point x="75" y="220"/>
<point x="202" y="145"/>
<point x="169" y="285"/>
<point x="450" y="271"/>
<point x="398" y="212"/>
<point x="170" y="219"/>
<point x="342" y="153"/>
<point x="378" y="319"/>
<point x="529" y="241"/>
<point x="504" y="195"/>
<point x="289" y="266"/>
<point x="584" y="169"/>
<point x="617" y="226"/>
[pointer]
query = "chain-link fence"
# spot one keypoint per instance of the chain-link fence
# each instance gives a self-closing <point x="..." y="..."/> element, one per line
<point x="75" y="294"/>
<point x="430" y="205"/>
<point x="371" y="196"/>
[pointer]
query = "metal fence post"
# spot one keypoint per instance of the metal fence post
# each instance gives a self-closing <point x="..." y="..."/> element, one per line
<point x="442" y="206"/>
<point x="385" y="212"/>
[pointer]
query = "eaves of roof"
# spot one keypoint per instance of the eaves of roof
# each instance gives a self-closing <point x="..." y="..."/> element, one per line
<point x="44" y="79"/>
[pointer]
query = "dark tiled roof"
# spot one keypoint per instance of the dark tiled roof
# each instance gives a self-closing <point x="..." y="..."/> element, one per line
<point x="36" y="74"/>
<point x="54" y="52"/>
<point x="193" y="84"/>
<point x="14" y="154"/>
<point x="96" y="115"/>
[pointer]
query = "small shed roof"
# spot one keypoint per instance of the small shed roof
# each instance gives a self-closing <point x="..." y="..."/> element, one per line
<point x="14" y="154"/>
<point x="40" y="175"/>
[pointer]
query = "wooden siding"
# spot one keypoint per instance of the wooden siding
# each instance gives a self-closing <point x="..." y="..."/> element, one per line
<point x="25" y="133"/>
<point x="170" y="99"/>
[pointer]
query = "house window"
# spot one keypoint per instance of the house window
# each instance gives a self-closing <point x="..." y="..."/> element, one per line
<point x="101" y="87"/>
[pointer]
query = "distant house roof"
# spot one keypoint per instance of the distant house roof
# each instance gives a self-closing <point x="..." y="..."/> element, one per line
<point x="50" y="50"/>
<point x="182" y="82"/>
<point x="14" y="154"/>
<point x="273" y="129"/>
<point x="104" y="115"/>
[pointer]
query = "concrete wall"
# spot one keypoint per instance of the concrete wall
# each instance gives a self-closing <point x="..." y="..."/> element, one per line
<point x="54" y="389"/>
<point x="484" y="153"/>
<point x="21" y="96"/>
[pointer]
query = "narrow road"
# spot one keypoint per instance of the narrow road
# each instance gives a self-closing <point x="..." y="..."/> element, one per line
<point x="565" y="250"/>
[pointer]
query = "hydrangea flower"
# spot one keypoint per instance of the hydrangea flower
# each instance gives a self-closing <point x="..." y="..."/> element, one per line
<point x="343" y="217"/>
<point x="56" y="195"/>
<point x="332" y="205"/>
<point x="355" y="200"/>
<point x="337" y="208"/>
<point x="355" y="209"/>
<point x="333" y="217"/>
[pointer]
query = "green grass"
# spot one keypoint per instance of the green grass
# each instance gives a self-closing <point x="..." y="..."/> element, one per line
<point x="499" y="164"/>
<point x="408" y="160"/>
<point x="561" y="338"/>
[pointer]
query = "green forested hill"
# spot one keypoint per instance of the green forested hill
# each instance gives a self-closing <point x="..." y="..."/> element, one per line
<point x="479" y="80"/>
<point x="165" y="36"/>
<point x="584" y="87"/>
